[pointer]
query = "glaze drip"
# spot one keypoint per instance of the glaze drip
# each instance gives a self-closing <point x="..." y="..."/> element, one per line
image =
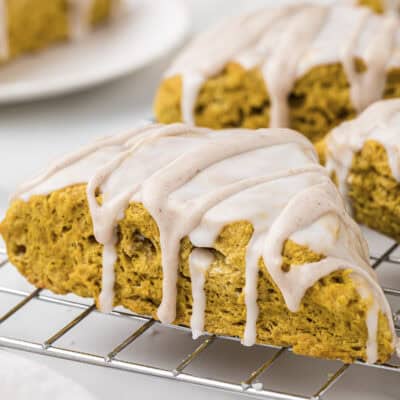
<point x="391" y="6"/>
<point x="194" y="181"/>
<point x="3" y="30"/>
<point x="378" y="122"/>
<point x="200" y="261"/>
<point x="367" y="87"/>
<point x="285" y="43"/>
<point x="280" y="72"/>
<point x="79" y="17"/>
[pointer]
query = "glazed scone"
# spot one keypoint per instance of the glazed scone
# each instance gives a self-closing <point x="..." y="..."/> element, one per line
<point x="308" y="67"/>
<point x="213" y="230"/>
<point x="363" y="156"/>
<point x="31" y="25"/>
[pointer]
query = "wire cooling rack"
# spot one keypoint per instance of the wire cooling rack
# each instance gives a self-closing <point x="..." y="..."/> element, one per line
<point x="248" y="386"/>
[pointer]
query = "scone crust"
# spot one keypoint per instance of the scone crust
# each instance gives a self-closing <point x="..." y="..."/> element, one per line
<point x="50" y="240"/>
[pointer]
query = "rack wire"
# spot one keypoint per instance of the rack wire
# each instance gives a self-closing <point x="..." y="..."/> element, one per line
<point x="248" y="386"/>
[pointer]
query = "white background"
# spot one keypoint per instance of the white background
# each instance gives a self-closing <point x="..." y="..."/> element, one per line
<point x="30" y="136"/>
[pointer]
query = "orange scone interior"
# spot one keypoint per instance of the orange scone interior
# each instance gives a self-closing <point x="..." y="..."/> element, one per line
<point x="307" y="66"/>
<point x="213" y="230"/>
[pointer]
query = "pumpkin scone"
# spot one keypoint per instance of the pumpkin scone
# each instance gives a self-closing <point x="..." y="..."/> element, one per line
<point x="31" y="25"/>
<point x="304" y="66"/>
<point x="212" y="230"/>
<point x="363" y="157"/>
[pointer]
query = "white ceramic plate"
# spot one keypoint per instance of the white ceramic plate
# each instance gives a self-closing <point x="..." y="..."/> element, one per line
<point x="142" y="32"/>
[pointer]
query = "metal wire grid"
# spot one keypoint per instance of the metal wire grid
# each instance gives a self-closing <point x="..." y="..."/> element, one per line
<point x="249" y="386"/>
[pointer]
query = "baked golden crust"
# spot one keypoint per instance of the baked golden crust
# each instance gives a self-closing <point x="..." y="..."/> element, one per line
<point x="50" y="240"/>
<point x="237" y="97"/>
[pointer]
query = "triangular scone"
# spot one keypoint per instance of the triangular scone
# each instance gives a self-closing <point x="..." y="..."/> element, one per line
<point x="363" y="156"/>
<point x="231" y="232"/>
<point x="306" y="66"/>
<point x="32" y="25"/>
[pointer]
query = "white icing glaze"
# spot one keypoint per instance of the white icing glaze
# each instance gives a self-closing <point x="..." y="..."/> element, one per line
<point x="190" y="89"/>
<point x="3" y="30"/>
<point x="285" y="43"/>
<point x="193" y="182"/>
<point x="199" y="262"/>
<point x="378" y="122"/>
<point x="372" y="318"/>
<point x="79" y="17"/>
<point x="391" y="6"/>
<point x="368" y="87"/>
<point x="281" y="71"/>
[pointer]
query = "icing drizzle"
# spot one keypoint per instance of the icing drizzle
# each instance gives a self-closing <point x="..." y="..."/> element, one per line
<point x="288" y="41"/>
<point x="378" y="122"/>
<point x="391" y="6"/>
<point x="3" y="31"/>
<point x="194" y="181"/>
<point x="199" y="262"/>
<point x="79" y="17"/>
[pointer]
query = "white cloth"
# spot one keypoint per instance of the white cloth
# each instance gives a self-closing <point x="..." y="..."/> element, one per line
<point x="24" y="379"/>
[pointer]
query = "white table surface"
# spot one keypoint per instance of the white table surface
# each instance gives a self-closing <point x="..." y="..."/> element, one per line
<point x="34" y="133"/>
